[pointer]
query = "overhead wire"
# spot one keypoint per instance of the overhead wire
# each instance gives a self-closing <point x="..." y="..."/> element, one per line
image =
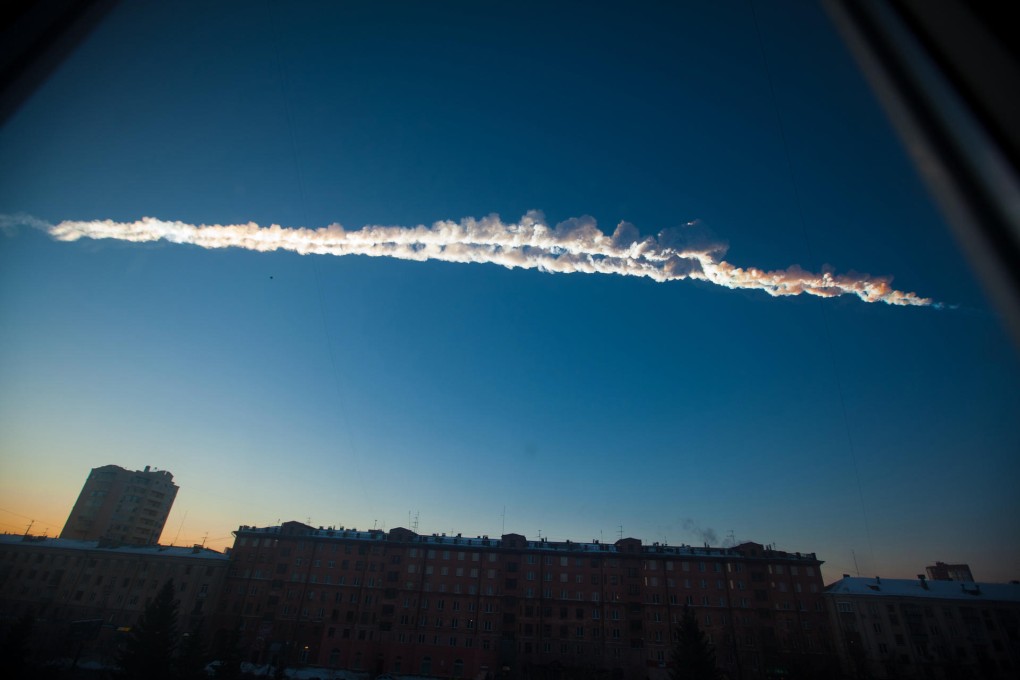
<point x="295" y="156"/>
<point x="807" y="244"/>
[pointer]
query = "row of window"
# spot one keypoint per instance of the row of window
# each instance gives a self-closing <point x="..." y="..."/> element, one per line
<point x="576" y="596"/>
<point x="475" y="573"/>
<point x="547" y="560"/>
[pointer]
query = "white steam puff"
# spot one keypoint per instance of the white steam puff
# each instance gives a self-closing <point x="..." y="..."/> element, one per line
<point x="576" y="245"/>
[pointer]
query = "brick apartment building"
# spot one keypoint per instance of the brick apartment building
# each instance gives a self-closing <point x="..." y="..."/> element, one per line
<point x="82" y="595"/>
<point x="126" y="506"/>
<point x="907" y="628"/>
<point x="453" y="606"/>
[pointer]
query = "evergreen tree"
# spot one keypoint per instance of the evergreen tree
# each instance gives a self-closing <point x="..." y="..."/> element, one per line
<point x="192" y="660"/>
<point x="693" y="657"/>
<point x="16" y="648"/>
<point x="229" y="667"/>
<point x="149" y="651"/>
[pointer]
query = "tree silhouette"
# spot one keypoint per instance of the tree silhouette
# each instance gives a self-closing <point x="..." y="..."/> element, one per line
<point x="149" y="650"/>
<point x="229" y="667"/>
<point x="192" y="658"/>
<point x="16" y="648"/>
<point x="693" y="656"/>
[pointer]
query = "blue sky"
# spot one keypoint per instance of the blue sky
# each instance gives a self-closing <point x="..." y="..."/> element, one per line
<point x="355" y="390"/>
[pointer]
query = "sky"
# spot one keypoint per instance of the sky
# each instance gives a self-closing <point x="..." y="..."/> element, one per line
<point x="430" y="364"/>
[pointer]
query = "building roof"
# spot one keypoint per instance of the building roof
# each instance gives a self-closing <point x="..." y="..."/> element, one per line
<point x="100" y="546"/>
<point x="516" y="541"/>
<point x="927" y="589"/>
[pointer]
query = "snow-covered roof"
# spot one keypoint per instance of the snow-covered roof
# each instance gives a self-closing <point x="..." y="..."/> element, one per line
<point x="518" y="542"/>
<point x="194" y="552"/>
<point x="307" y="673"/>
<point x="928" y="589"/>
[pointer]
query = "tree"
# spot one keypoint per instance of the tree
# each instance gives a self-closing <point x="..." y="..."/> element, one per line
<point x="192" y="659"/>
<point x="229" y="655"/>
<point x="149" y="651"/>
<point x="693" y="656"/>
<point x="16" y="648"/>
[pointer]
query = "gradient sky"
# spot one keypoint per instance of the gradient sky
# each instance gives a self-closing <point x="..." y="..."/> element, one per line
<point x="364" y="391"/>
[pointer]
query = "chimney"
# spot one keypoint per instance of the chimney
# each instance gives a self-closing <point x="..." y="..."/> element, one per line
<point x="922" y="579"/>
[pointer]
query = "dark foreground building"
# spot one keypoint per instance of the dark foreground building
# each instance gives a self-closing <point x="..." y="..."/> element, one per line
<point x="82" y="596"/>
<point x="459" y="607"/>
<point x="906" y="628"/>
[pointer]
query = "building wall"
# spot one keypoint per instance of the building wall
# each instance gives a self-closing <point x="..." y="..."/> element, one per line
<point x="121" y="505"/>
<point x="451" y="606"/>
<point x="941" y="571"/>
<point x="897" y="628"/>
<point x="80" y="594"/>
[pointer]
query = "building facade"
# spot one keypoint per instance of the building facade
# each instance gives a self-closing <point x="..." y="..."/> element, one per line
<point x="122" y="506"/>
<point x="453" y="606"/>
<point x="940" y="571"/>
<point x="906" y="628"/>
<point x="82" y="596"/>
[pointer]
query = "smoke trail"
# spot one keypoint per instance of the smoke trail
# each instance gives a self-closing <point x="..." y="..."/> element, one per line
<point x="707" y="535"/>
<point x="576" y="245"/>
<point x="10" y="224"/>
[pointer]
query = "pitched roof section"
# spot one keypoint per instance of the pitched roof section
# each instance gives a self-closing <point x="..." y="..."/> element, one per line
<point x="924" y="588"/>
<point x="196" y="551"/>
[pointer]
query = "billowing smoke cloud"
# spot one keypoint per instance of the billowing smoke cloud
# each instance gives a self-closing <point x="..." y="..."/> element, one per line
<point x="705" y="535"/>
<point x="576" y="245"/>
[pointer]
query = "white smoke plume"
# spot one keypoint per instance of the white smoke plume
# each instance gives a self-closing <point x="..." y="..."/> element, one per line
<point x="576" y="245"/>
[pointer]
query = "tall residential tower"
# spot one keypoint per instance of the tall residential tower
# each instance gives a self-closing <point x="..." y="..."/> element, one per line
<point x="122" y="506"/>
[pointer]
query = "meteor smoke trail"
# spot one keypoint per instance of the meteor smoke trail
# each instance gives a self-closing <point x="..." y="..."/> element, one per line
<point x="576" y="245"/>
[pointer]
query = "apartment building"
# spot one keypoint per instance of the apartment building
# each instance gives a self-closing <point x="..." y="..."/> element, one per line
<point x="122" y="506"/>
<point x="456" y="606"/>
<point x="907" y="628"/>
<point x="84" y="595"/>
<point x="940" y="571"/>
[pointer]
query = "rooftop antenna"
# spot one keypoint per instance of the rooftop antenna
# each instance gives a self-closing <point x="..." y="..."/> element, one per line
<point x="205" y="538"/>
<point x="29" y="527"/>
<point x="374" y="523"/>
<point x="414" y="524"/>
<point x="858" y="569"/>
<point x="620" y="531"/>
<point x="731" y="538"/>
<point x="504" y="520"/>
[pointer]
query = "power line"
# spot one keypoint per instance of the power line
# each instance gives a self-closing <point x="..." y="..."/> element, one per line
<point x="48" y="521"/>
<point x="807" y="244"/>
<point x="343" y="411"/>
